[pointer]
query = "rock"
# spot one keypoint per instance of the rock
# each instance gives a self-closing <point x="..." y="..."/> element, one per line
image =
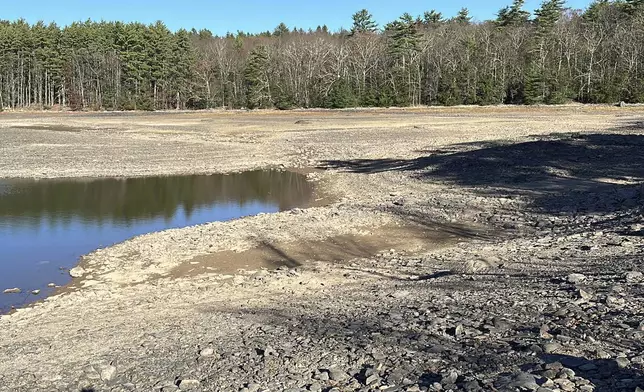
<point x="622" y="362"/>
<point x="576" y="278"/>
<point x="474" y="266"/>
<point x="207" y="352"/>
<point x="524" y="380"/>
<point x="189" y="385"/>
<point x="51" y="285"/>
<point x="35" y="292"/>
<point x="323" y="376"/>
<point x="544" y="332"/>
<point x="550" y="348"/>
<point x="601" y="354"/>
<point x="634" y="277"/>
<point x="76" y="272"/>
<point x="315" y="387"/>
<point x="14" y="290"/>
<point x="336" y="374"/>
<point x="252" y="387"/>
<point x="583" y="294"/>
<point x="565" y="384"/>
<point x="450" y="377"/>
<point x="372" y="379"/>
<point x="107" y="373"/>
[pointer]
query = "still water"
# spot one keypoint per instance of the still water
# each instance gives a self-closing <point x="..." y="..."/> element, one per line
<point x="47" y="225"/>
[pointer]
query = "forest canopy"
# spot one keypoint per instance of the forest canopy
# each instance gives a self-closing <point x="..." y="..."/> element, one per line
<point x="553" y="55"/>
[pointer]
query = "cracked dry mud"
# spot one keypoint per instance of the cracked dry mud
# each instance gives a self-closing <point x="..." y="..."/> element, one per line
<point x="464" y="249"/>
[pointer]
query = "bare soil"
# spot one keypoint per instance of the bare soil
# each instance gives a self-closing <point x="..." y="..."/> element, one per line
<point x="442" y="262"/>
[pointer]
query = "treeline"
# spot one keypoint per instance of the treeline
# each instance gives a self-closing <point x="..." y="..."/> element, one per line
<point x="558" y="54"/>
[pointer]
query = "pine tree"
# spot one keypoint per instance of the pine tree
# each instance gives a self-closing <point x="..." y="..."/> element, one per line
<point x="256" y="79"/>
<point x="463" y="16"/>
<point x="433" y="18"/>
<point x="281" y="30"/>
<point x="363" y="23"/>
<point x="513" y="15"/>
<point x="595" y="9"/>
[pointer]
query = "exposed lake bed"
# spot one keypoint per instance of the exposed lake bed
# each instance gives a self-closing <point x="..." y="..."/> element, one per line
<point x="473" y="248"/>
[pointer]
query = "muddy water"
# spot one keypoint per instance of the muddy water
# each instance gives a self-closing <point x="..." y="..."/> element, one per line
<point x="47" y="225"/>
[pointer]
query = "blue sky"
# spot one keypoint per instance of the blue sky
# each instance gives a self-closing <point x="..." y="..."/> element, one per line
<point x="247" y="15"/>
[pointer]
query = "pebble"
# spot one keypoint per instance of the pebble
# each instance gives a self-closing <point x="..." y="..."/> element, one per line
<point x="108" y="373"/>
<point x="189" y="385"/>
<point x="634" y="277"/>
<point x="550" y="348"/>
<point x="207" y="352"/>
<point x="576" y="278"/>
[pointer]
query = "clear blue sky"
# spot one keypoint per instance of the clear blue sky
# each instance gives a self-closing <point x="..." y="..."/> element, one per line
<point x="247" y="15"/>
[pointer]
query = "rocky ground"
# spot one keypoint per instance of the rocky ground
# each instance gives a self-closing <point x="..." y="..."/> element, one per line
<point x="539" y="289"/>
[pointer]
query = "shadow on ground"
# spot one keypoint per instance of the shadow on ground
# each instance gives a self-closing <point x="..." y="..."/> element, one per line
<point x="593" y="172"/>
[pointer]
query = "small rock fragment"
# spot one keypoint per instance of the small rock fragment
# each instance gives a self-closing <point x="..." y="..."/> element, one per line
<point x="14" y="290"/>
<point x="634" y="277"/>
<point x="108" y="373"/>
<point x="189" y="385"/>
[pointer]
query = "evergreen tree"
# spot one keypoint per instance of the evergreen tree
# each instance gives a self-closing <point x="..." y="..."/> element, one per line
<point x="281" y="30"/>
<point x="256" y="78"/>
<point x="463" y="16"/>
<point x="513" y="15"/>
<point x="432" y="18"/>
<point x="363" y="23"/>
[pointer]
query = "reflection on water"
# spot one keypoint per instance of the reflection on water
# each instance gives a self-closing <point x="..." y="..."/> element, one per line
<point x="46" y="225"/>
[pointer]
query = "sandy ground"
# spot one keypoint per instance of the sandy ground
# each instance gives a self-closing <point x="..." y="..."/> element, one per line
<point x="145" y="308"/>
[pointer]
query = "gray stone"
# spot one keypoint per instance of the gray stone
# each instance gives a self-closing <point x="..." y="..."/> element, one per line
<point x="207" y="352"/>
<point x="189" y="385"/>
<point x="372" y="379"/>
<point x="634" y="277"/>
<point x="336" y="374"/>
<point x="585" y="294"/>
<point x="315" y="387"/>
<point x="450" y="377"/>
<point x="524" y="380"/>
<point x="550" y="348"/>
<point x="76" y="272"/>
<point x="35" y="292"/>
<point x="108" y="373"/>
<point x="251" y="387"/>
<point x="622" y="362"/>
<point x="14" y="290"/>
<point x="565" y="384"/>
<point x="576" y="278"/>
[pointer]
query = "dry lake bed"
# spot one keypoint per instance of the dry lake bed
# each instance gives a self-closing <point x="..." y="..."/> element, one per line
<point x="428" y="249"/>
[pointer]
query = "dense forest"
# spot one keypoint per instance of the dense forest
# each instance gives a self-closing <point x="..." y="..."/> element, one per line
<point x="555" y="55"/>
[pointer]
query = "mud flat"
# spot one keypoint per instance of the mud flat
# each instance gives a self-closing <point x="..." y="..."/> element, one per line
<point x="469" y="249"/>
